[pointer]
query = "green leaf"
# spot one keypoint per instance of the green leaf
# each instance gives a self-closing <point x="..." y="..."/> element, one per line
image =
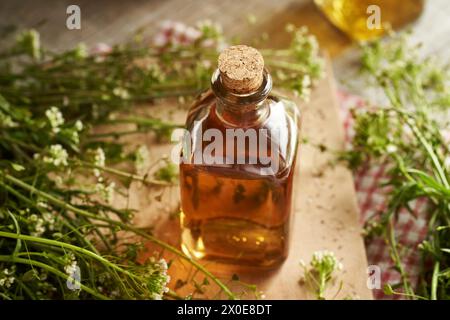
<point x="387" y="289"/>
<point x="17" y="167"/>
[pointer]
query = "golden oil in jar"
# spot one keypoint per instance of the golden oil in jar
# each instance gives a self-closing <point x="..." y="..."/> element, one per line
<point x="370" y="19"/>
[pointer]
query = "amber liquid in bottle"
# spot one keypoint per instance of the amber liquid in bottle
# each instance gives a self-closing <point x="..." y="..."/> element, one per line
<point x="240" y="212"/>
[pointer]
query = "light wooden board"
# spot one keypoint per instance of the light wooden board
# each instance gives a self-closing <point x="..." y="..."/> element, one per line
<point x="325" y="217"/>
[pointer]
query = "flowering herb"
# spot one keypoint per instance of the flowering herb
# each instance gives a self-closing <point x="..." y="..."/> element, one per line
<point x="320" y="272"/>
<point x="408" y="136"/>
<point x="59" y="238"/>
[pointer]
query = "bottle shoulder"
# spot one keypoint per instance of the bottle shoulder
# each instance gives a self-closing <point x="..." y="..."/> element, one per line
<point x="274" y="137"/>
<point x="282" y="114"/>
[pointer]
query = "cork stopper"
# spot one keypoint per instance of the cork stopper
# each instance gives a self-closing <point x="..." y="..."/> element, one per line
<point x="241" y="69"/>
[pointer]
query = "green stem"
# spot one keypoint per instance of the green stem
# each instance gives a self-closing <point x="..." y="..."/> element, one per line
<point x="51" y="270"/>
<point x="397" y="260"/>
<point x="67" y="246"/>
<point x="434" y="281"/>
<point x="143" y="179"/>
<point x="65" y="222"/>
<point x="137" y="231"/>
<point x="322" y="285"/>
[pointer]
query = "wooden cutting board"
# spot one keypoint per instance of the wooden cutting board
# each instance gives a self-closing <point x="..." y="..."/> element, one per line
<point x="326" y="215"/>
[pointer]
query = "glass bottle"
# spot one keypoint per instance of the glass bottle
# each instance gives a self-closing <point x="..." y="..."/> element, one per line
<point x="351" y="16"/>
<point x="236" y="196"/>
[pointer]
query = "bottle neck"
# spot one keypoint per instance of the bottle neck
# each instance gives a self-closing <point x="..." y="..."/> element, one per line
<point x="241" y="109"/>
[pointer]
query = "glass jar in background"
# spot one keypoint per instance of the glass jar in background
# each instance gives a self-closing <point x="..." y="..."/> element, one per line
<point x="351" y="16"/>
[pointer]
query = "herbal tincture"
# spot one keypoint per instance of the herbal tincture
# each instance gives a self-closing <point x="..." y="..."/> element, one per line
<point x="238" y="163"/>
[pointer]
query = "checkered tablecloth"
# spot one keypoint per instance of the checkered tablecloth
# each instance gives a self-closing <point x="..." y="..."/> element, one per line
<point x="410" y="228"/>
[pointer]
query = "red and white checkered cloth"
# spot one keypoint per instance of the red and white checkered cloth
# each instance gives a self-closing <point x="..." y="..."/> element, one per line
<point x="410" y="229"/>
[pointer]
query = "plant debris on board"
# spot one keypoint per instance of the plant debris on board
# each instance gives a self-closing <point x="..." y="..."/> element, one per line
<point x="59" y="234"/>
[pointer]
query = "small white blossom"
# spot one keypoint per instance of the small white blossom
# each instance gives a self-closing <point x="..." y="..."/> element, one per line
<point x="78" y="125"/>
<point x="71" y="267"/>
<point x="160" y="278"/>
<point x="55" y="118"/>
<point x="6" y="121"/>
<point x="141" y="159"/>
<point x="173" y="33"/>
<point x="327" y="260"/>
<point x="57" y="156"/>
<point x="391" y="149"/>
<point x="163" y="266"/>
<point x="49" y="220"/>
<point x="321" y="271"/>
<point x="6" y="278"/>
<point x="42" y="204"/>
<point x="99" y="160"/>
<point x="71" y="264"/>
<point x="121" y="93"/>
<point x="106" y="192"/>
<point x="305" y="92"/>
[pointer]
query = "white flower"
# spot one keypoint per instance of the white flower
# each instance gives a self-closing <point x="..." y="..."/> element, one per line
<point x="49" y="220"/>
<point x="325" y="260"/>
<point x="71" y="268"/>
<point x="99" y="160"/>
<point x="306" y="88"/>
<point x="55" y="118"/>
<point x="39" y="228"/>
<point x="78" y="125"/>
<point x="57" y="156"/>
<point x="6" y="280"/>
<point x="163" y="266"/>
<point x="306" y="81"/>
<point x="6" y="121"/>
<point x="174" y="34"/>
<point x="159" y="276"/>
<point x="71" y="264"/>
<point x="106" y="192"/>
<point x="391" y="149"/>
<point x="141" y="158"/>
<point x="121" y="93"/>
<point x="75" y="137"/>
<point x="42" y="204"/>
